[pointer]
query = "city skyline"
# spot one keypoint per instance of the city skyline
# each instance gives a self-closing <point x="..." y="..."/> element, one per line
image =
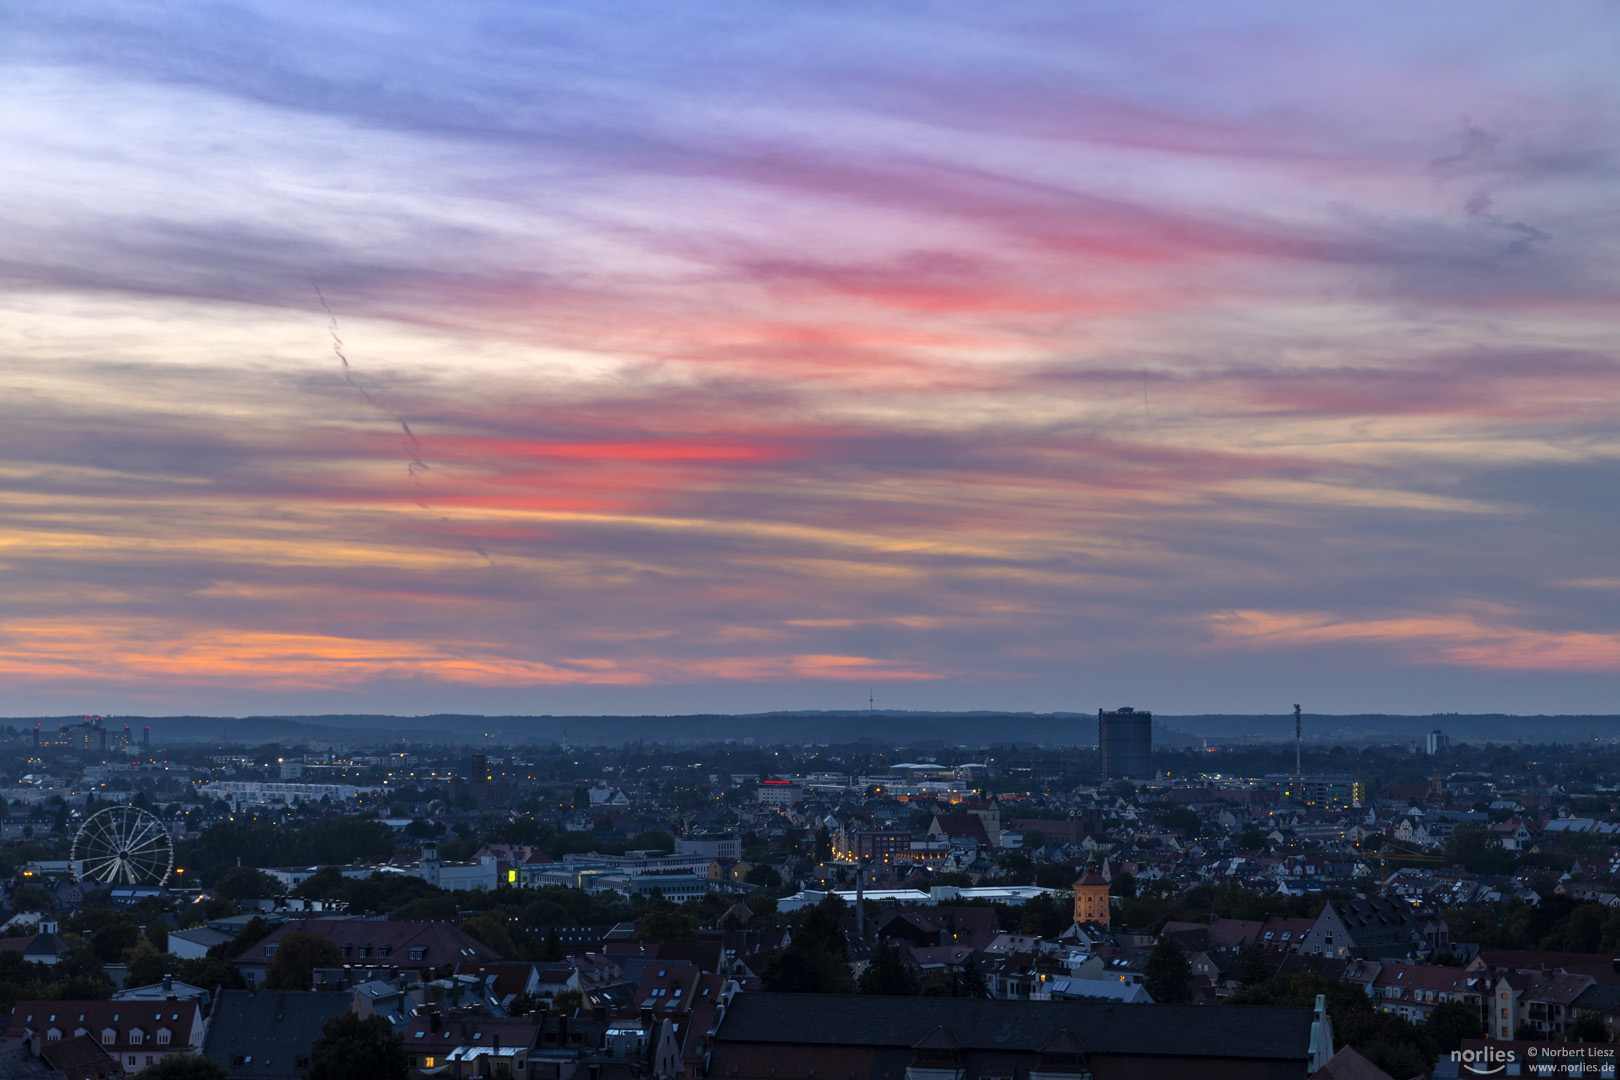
<point x="530" y="359"/>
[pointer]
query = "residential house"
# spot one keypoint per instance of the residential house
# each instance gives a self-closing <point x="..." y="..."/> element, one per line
<point x="134" y="1033"/>
<point x="1379" y="928"/>
<point x="269" y="1034"/>
<point x="370" y="945"/>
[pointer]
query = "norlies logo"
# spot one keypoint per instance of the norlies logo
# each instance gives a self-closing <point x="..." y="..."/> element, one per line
<point x="1553" y="1060"/>
<point x="1484" y="1062"/>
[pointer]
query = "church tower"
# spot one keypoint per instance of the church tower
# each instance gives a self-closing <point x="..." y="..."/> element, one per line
<point x="1091" y="899"/>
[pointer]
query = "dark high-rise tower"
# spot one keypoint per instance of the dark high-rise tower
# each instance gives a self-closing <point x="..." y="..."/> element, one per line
<point x="1125" y="739"/>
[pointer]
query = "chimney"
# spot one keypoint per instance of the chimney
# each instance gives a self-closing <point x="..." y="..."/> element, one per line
<point x="168" y="982"/>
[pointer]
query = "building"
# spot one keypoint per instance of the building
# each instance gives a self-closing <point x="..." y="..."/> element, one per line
<point x="800" y="1036"/>
<point x="367" y="943"/>
<point x="477" y="875"/>
<point x="779" y="793"/>
<point x="274" y="793"/>
<point x="133" y="1033"/>
<point x="268" y="1034"/>
<point x="1125" y="740"/>
<point x="91" y="733"/>
<point x="1091" y="899"/>
<point x="879" y="845"/>
<point x="1328" y="791"/>
<point x="1538" y="1001"/>
<point x="1438" y="742"/>
<point x="710" y="845"/>
<point x="1377" y="929"/>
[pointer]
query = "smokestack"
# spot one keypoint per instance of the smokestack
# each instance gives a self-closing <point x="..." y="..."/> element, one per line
<point x="860" y="899"/>
<point x="1298" y="770"/>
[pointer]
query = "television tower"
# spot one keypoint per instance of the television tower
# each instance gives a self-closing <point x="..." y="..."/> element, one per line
<point x="1298" y="769"/>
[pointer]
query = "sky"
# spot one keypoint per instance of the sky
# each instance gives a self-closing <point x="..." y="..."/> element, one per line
<point x="596" y="358"/>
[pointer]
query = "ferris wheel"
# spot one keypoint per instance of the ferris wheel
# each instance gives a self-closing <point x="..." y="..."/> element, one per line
<point x="123" y="845"/>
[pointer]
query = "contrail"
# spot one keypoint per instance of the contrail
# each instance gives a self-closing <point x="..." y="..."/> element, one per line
<point x="337" y="347"/>
<point x="414" y="465"/>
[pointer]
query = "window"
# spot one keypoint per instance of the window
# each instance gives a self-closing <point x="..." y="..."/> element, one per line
<point x="384" y="950"/>
<point x="270" y="949"/>
<point x="108" y="1036"/>
<point x="417" y="954"/>
<point x="163" y="1037"/>
<point x="136" y="1037"/>
<point x="365" y="950"/>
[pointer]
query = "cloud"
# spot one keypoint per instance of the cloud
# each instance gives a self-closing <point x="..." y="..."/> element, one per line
<point x="981" y="350"/>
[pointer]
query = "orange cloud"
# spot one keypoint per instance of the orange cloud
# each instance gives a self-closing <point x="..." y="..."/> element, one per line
<point x="1450" y="639"/>
<point x="147" y="655"/>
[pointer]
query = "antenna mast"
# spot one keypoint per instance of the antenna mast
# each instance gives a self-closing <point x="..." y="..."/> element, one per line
<point x="1298" y="770"/>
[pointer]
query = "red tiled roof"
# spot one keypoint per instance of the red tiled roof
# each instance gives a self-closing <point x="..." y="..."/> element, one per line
<point x="122" y="1017"/>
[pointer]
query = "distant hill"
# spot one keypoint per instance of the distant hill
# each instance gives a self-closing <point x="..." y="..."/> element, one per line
<point x="921" y="729"/>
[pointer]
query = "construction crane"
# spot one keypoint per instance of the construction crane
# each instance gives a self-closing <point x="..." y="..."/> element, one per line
<point x="1388" y="855"/>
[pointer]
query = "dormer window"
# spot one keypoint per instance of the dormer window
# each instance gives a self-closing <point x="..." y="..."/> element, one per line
<point x="136" y="1037"/>
<point x="163" y="1037"/>
<point x="419" y="952"/>
<point x="108" y="1036"/>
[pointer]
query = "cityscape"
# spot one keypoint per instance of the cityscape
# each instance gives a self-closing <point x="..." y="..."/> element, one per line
<point x="545" y="540"/>
<point x="676" y="912"/>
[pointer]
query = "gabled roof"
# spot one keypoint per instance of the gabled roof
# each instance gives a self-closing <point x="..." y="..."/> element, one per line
<point x="81" y="1052"/>
<point x="261" y="1035"/>
<point x="1063" y="1042"/>
<point x="1231" y="1031"/>
<point x="938" y="1039"/>
<point x="93" y="1017"/>
<point x="441" y="943"/>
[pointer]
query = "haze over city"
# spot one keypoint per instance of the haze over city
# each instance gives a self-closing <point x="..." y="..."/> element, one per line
<point x="603" y="358"/>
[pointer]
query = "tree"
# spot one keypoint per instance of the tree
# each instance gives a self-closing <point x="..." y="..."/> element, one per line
<point x="1589" y="1028"/>
<point x="350" y="1047"/>
<point x="489" y="930"/>
<point x="298" y="954"/>
<point x="970" y="981"/>
<point x="1478" y="851"/>
<point x="183" y="1067"/>
<point x="246" y="883"/>
<point x="1167" y="971"/>
<point x="1254" y="965"/>
<point x="817" y="960"/>
<point x="327" y="883"/>
<point x="798" y="970"/>
<point x="1184" y="818"/>
<point x="666" y="923"/>
<point x="824" y="846"/>
<point x="763" y="877"/>
<point x="1450" y="1022"/>
<point x="888" y="973"/>
<point x="146" y="965"/>
<point x="1123" y="885"/>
